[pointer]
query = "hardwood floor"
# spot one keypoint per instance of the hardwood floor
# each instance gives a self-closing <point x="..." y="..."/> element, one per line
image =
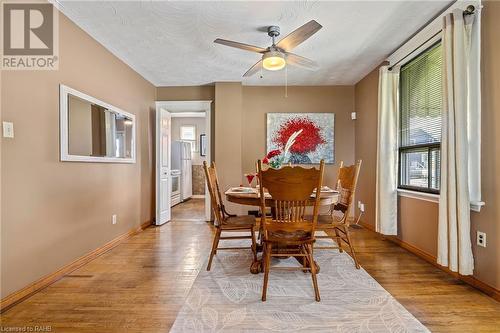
<point x="190" y="210"/>
<point x="439" y="301"/>
<point x="140" y="285"/>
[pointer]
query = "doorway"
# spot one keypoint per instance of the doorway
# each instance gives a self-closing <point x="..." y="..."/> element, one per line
<point x="183" y="143"/>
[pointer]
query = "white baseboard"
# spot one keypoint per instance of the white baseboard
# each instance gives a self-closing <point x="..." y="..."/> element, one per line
<point x="198" y="196"/>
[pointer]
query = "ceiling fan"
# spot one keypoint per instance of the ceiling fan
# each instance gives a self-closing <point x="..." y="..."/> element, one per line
<point x="277" y="56"/>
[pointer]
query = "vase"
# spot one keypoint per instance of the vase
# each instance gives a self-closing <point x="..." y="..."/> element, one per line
<point x="297" y="158"/>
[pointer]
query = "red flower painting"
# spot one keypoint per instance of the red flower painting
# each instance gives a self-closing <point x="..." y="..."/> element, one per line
<point x="303" y="138"/>
<point x="305" y="143"/>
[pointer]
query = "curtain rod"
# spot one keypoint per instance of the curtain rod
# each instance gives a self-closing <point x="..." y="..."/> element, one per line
<point x="468" y="11"/>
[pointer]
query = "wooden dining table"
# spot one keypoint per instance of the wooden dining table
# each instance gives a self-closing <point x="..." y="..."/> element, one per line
<point x="253" y="199"/>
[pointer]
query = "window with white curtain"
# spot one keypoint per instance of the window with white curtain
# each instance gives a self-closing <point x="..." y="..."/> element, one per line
<point x="421" y="97"/>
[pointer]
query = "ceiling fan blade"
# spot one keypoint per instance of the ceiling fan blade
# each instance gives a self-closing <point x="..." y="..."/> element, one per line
<point x="296" y="60"/>
<point x="299" y="35"/>
<point x="254" y="69"/>
<point x="242" y="46"/>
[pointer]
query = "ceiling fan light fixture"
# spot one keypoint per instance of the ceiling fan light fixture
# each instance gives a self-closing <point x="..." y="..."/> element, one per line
<point x="278" y="55"/>
<point x="273" y="61"/>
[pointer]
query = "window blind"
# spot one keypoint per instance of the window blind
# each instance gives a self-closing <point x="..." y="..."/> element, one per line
<point x="421" y="98"/>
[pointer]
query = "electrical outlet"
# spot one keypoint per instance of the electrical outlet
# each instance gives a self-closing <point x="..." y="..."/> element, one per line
<point x="113" y="219"/>
<point x="362" y="207"/>
<point x="481" y="238"/>
<point x="359" y="204"/>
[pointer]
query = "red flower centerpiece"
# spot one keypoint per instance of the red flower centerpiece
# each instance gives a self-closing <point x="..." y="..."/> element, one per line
<point x="276" y="157"/>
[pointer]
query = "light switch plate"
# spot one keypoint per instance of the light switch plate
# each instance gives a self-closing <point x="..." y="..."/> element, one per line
<point x="8" y="129"/>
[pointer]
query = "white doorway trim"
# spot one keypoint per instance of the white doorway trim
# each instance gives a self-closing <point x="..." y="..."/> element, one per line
<point x="179" y="108"/>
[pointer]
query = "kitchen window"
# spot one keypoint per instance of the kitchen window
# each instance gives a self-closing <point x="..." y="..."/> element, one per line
<point x="188" y="134"/>
<point x="421" y="98"/>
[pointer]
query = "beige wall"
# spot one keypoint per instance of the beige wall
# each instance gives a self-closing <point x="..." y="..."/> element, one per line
<point x="228" y="136"/>
<point x="365" y="93"/>
<point x="417" y="223"/>
<point x="54" y="212"/>
<point x="187" y="93"/>
<point x="259" y="100"/>
<point x="487" y="260"/>
<point x="418" y="219"/>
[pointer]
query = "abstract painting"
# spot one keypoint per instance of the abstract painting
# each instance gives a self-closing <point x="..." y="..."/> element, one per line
<point x="315" y="142"/>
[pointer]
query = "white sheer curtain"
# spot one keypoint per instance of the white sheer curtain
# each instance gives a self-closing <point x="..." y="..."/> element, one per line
<point x="460" y="95"/>
<point x="387" y="152"/>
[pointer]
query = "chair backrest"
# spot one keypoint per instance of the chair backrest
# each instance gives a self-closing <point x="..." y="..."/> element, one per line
<point x="214" y="190"/>
<point x="290" y="189"/>
<point x="347" y="180"/>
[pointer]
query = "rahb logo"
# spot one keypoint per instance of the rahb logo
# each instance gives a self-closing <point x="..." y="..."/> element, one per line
<point x="29" y="36"/>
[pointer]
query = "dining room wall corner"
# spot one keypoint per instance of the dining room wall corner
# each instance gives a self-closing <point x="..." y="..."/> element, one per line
<point x="228" y="138"/>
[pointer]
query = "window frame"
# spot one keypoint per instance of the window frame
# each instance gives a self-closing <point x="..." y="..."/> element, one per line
<point x="193" y="142"/>
<point x="186" y="126"/>
<point x="428" y="146"/>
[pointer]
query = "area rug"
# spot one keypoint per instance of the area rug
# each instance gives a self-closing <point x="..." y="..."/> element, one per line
<point x="227" y="299"/>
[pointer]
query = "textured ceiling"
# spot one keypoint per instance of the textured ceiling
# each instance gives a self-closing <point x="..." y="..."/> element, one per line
<point x="171" y="43"/>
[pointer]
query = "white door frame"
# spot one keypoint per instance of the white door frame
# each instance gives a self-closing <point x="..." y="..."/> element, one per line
<point x="188" y="107"/>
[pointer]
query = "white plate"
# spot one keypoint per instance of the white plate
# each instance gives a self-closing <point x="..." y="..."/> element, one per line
<point x="325" y="189"/>
<point x="241" y="190"/>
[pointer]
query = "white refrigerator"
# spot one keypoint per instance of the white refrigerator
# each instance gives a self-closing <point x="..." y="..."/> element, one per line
<point x="181" y="160"/>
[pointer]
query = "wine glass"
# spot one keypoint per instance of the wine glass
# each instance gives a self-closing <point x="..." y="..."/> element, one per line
<point x="250" y="177"/>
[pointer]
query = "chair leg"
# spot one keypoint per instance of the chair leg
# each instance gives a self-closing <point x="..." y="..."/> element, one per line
<point x="254" y="245"/>
<point x="260" y="237"/>
<point x="304" y="259"/>
<point x="313" y="272"/>
<point x="351" y="248"/>
<point x="267" y="258"/>
<point x="215" y="244"/>
<point x="338" y="240"/>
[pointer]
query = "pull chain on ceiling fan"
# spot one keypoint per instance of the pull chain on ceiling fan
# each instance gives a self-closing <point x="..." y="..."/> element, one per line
<point x="277" y="56"/>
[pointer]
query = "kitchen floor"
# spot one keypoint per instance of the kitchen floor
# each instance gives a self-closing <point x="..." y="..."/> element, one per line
<point x="190" y="210"/>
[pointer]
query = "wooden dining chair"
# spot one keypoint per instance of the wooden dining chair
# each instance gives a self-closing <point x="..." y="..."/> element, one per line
<point x="224" y="220"/>
<point x="288" y="232"/>
<point x="336" y="223"/>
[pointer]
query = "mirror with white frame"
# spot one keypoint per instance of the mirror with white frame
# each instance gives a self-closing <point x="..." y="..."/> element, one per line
<point x="94" y="131"/>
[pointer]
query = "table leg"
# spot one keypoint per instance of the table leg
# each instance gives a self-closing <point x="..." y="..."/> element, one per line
<point x="256" y="267"/>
